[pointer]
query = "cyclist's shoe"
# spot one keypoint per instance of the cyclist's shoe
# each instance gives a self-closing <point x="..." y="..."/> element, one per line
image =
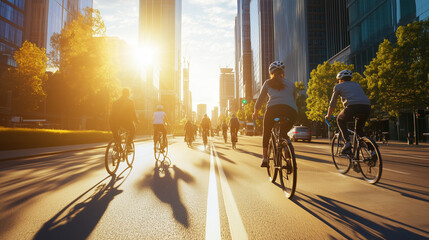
<point x="373" y="155"/>
<point x="356" y="168"/>
<point x="346" y="148"/>
<point x="264" y="162"/>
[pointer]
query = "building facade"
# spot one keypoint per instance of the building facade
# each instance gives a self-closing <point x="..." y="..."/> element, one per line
<point x="244" y="52"/>
<point x="201" y="110"/>
<point x="11" y="31"/>
<point x="262" y="42"/>
<point x="226" y="89"/>
<point x="43" y="18"/>
<point x="187" y="100"/>
<point x="160" y="29"/>
<point x="337" y="34"/>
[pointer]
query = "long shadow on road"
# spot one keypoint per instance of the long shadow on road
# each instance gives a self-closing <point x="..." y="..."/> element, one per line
<point x="351" y="223"/>
<point x="79" y="218"/>
<point x="164" y="184"/>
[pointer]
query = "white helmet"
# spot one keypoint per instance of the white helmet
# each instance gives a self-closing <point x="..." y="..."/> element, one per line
<point x="276" y="65"/>
<point x="344" y="73"/>
<point x="159" y="107"/>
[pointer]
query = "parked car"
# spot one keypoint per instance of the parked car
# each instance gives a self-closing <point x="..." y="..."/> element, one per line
<point x="299" y="132"/>
<point x="249" y="130"/>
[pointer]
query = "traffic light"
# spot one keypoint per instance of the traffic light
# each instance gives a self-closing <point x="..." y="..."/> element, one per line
<point x="244" y="101"/>
<point x="420" y="113"/>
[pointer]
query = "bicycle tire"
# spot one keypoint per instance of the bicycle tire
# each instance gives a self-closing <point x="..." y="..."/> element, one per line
<point x="111" y="158"/>
<point x="157" y="149"/>
<point x="341" y="161"/>
<point x="371" y="166"/>
<point x="130" y="157"/>
<point x="271" y="169"/>
<point x="289" y="170"/>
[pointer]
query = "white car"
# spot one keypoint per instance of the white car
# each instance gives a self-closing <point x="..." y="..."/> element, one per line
<point x="299" y="132"/>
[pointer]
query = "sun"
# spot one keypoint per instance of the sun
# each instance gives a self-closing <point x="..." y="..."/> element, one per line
<point x="146" y="56"/>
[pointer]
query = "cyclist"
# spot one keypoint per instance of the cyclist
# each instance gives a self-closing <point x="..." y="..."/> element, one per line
<point x="224" y="129"/>
<point x="159" y="121"/>
<point x="355" y="103"/>
<point x="281" y="94"/>
<point x="123" y="114"/>
<point x="205" y="126"/>
<point x="234" y="125"/>
<point x="189" y="130"/>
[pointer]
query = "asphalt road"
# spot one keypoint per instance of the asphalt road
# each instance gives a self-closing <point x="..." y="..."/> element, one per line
<point x="218" y="193"/>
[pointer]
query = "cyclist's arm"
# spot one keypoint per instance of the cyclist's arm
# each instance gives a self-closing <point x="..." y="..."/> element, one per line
<point x="333" y="102"/>
<point x="261" y="98"/>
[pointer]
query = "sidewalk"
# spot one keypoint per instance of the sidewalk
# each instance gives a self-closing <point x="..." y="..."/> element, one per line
<point x="37" y="152"/>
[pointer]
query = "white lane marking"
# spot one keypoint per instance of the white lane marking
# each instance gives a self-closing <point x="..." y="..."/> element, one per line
<point x="213" y="220"/>
<point x="387" y="169"/>
<point x="418" y="158"/>
<point x="236" y="226"/>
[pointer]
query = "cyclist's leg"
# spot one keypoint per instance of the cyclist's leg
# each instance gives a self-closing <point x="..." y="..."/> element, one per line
<point x="266" y="133"/>
<point x="114" y="127"/>
<point x="342" y="119"/>
<point x="155" y="133"/>
<point x="164" y="135"/>
<point x="362" y="111"/>
<point x="131" y="132"/>
<point x="292" y="115"/>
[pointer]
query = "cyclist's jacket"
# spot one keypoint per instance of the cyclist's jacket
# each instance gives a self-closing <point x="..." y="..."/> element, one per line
<point x="188" y="127"/>
<point x="123" y="111"/>
<point x="275" y="97"/>
<point x="158" y="117"/>
<point x="224" y="127"/>
<point x="351" y="93"/>
<point x="205" y="123"/>
<point x="234" y="124"/>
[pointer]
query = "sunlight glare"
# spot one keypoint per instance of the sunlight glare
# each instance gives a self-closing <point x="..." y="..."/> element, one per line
<point x="146" y="56"/>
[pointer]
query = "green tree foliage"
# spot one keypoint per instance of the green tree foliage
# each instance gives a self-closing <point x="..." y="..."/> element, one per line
<point x="398" y="77"/>
<point x="85" y="81"/>
<point x="27" y="81"/>
<point x="320" y="86"/>
<point x="301" y="98"/>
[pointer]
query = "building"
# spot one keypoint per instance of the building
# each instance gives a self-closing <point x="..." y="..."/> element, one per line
<point x="201" y="110"/>
<point x="244" y="50"/>
<point x="337" y="35"/>
<point x="262" y="42"/>
<point x="160" y="30"/>
<point x="226" y="89"/>
<point x="11" y="31"/>
<point x="237" y="39"/>
<point x="43" y="18"/>
<point x="187" y="99"/>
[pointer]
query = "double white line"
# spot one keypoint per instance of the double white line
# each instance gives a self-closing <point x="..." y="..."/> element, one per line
<point x="236" y="226"/>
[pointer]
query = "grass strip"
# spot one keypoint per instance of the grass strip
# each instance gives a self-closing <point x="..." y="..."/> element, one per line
<point x="19" y="138"/>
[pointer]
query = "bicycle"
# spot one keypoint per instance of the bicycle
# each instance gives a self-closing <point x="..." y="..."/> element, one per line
<point x="234" y="140"/>
<point x="189" y="139"/>
<point x="160" y="147"/>
<point x="281" y="160"/>
<point x="225" y="136"/>
<point x="364" y="155"/>
<point x="117" y="152"/>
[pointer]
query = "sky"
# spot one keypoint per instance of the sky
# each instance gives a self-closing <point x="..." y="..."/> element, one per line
<point x="207" y="39"/>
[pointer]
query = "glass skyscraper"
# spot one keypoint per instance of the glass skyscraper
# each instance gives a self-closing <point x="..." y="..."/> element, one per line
<point x="262" y="41"/>
<point x="11" y="30"/>
<point x="43" y="18"/>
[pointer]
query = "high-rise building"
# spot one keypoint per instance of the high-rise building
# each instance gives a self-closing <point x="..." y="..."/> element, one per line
<point x="187" y="101"/>
<point x="299" y="36"/>
<point x="337" y="34"/>
<point x="214" y="117"/>
<point x="262" y="41"/>
<point x="11" y="31"/>
<point x="373" y="21"/>
<point x="201" y="110"/>
<point x="226" y="89"/>
<point x="160" y="30"/>
<point x="43" y="18"/>
<point x="244" y="52"/>
<point x="237" y="38"/>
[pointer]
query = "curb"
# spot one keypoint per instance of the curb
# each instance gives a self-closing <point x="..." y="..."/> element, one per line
<point x="63" y="151"/>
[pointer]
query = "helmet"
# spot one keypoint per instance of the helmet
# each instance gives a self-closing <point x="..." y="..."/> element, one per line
<point x="159" y="107"/>
<point x="233" y="115"/>
<point x="276" y="65"/>
<point x="344" y="73"/>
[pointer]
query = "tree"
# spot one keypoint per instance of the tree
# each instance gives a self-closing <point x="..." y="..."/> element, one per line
<point x="320" y="86"/>
<point x="301" y="103"/>
<point x="27" y="80"/>
<point x="86" y="80"/>
<point x="397" y="78"/>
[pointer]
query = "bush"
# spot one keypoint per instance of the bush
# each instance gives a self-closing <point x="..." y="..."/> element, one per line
<point x="18" y="138"/>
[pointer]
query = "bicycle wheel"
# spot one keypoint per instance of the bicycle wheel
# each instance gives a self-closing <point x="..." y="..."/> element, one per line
<point x="111" y="158"/>
<point x="341" y="161"/>
<point x="130" y="155"/>
<point x="288" y="173"/>
<point x="157" y="149"/>
<point x="271" y="169"/>
<point x="370" y="161"/>
<point x="165" y="150"/>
